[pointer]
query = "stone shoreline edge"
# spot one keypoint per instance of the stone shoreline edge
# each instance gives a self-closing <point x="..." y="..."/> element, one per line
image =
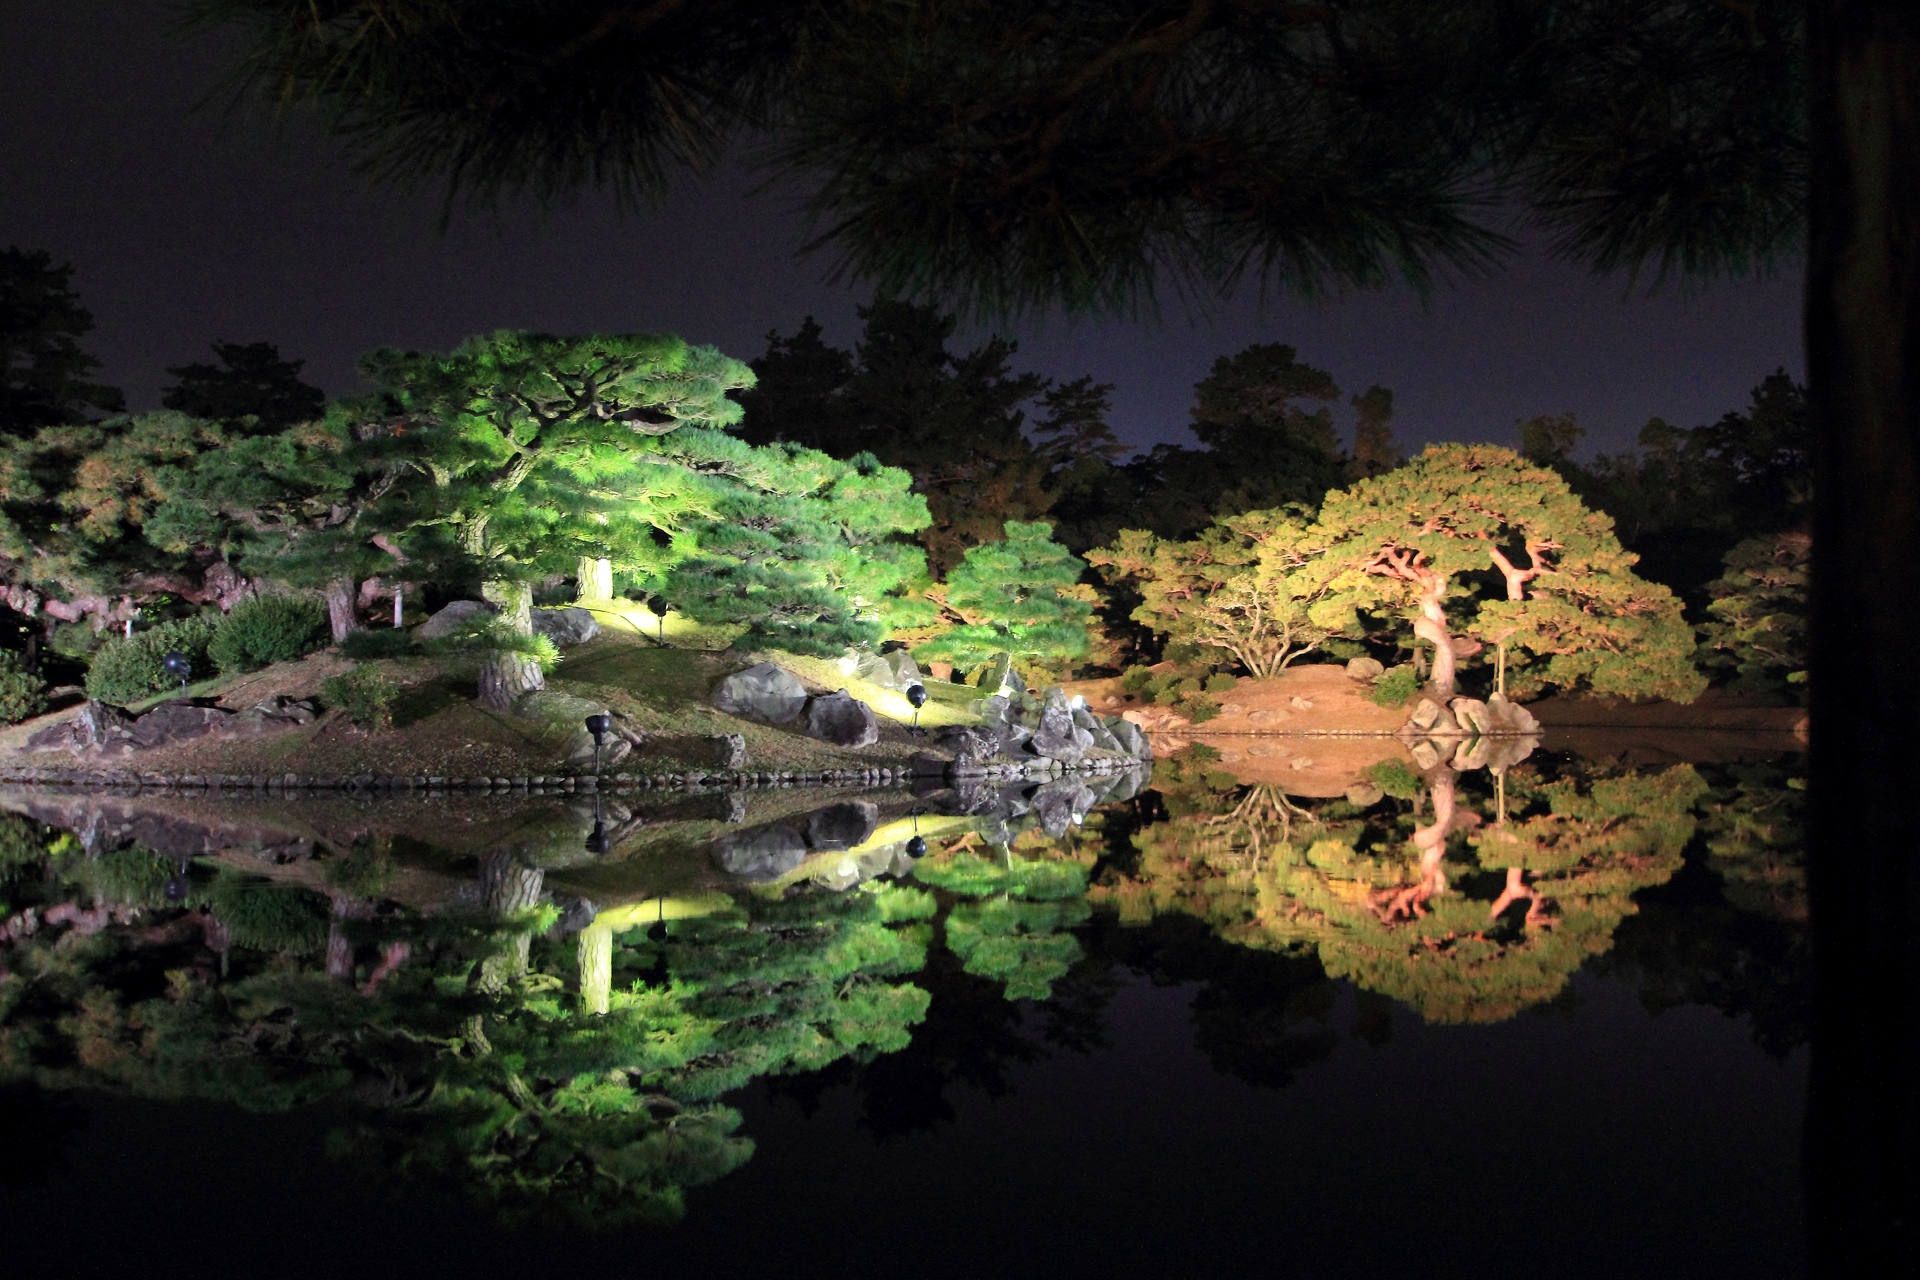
<point x="367" y="783"/>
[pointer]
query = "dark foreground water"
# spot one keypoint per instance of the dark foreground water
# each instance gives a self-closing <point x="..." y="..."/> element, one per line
<point x="1200" y="1027"/>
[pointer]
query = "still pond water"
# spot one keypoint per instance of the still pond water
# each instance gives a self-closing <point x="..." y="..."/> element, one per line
<point x="1539" y="1017"/>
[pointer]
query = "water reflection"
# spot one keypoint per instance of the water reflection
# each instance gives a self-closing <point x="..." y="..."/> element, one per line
<point x="546" y="1002"/>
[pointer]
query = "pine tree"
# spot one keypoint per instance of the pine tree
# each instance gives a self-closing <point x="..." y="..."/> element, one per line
<point x="518" y="454"/>
<point x="1757" y="619"/>
<point x="810" y="557"/>
<point x="251" y="391"/>
<point x="1019" y="595"/>
<point x="1569" y="610"/>
<point x="45" y="375"/>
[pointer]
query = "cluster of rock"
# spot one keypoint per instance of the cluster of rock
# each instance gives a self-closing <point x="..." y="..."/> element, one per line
<point x="1472" y="733"/>
<point x="1017" y="731"/>
<point x="772" y="695"/>
<point x="103" y="731"/>
<point x="773" y="849"/>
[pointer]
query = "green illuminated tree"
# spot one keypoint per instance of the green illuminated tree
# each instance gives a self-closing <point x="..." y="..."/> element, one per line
<point x="1011" y="925"/>
<point x="811" y="558"/>
<point x="1237" y="592"/>
<point x="516" y="455"/>
<point x="1757" y="618"/>
<point x="1020" y="595"/>
<point x="1568" y="609"/>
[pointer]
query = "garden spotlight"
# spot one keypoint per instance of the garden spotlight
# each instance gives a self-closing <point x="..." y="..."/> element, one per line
<point x="597" y="724"/>
<point x="917" y="695"/>
<point x="179" y="666"/>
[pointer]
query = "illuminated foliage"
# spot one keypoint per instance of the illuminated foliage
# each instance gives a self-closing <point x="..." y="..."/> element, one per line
<point x="1568" y="608"/>
<point x="1020" y="595"/>
<point x="1757" y="616"/>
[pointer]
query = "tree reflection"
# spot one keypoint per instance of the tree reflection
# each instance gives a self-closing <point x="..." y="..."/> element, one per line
<point x="1420" y="899"/>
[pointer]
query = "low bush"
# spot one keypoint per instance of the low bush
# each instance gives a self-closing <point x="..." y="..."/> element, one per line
<point x="1394" y="688"/>
<point x="387" y="642"/>
<point x="127" y="669"/>
<point x="23" y="694"/>
<point x="365" y="694"/>
<point x="266" y="630"/>
<point x="1221" y="683"/>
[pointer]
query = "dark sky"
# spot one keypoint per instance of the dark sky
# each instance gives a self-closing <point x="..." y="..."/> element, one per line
<point x="187" y="225"/>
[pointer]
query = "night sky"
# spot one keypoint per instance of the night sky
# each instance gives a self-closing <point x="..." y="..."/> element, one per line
<point x="188" y="225"/>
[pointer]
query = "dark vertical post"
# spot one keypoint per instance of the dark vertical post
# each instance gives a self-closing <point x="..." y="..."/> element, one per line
<point x="1863" y="366"/>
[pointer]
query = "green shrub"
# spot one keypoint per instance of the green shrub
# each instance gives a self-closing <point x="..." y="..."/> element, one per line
<point x="128" y="669"/>
<point x="1394" y="688"/>
<point x="1200" y="710"/>
<point x="75" y="640"/>
<point x="1396" y="778"/>
<point x="266" y="630"/>
<point x="1221" y="683"/>
<point x="23" y="694"/>
<point x="268" y="917"/>
<point x="365" y="694"/>
<point x="387" y="642"/>
<point x="1135" y="679"/>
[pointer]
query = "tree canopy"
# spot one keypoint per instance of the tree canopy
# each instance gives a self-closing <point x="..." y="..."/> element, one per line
<point x="45" y="374"/>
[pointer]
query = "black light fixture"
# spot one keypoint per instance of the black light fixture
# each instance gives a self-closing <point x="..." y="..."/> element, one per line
<point x="917" y="847"/>
<point x="177" y="884"/>
<point x="659" y="605"/>
<point x="179" y="666"/>
<point x="597" y="724"/>
<point x="917" y="695"/>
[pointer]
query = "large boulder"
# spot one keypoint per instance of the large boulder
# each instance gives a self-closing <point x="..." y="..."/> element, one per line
<point x="1130" y="736"/>
<point x="893" y="670"/>
<point x="843" y="825"/>
<point x="566" y="627"/>
<point x="1056" y="736"/>
<point x="100" y="730"/>
<point x="453" y="618"/>
<point x="842" y="719"/>
<point x="762" y="853"/>
<point x="764" y="693"/>
<point x="559" y="721"/>
<point x="1058" y="805"/>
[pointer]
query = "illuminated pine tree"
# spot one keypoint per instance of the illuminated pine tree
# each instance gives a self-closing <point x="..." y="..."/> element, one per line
<point x="1020" y="595"/>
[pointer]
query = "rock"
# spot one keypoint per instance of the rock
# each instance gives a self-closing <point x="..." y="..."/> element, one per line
<point x="894" y="670"/>
<point x="1103" y="738"/>
<point x="1363" y="794"/>
<point x="1058" y="805"/>
<point x="1425" y="712"/>
<point x="842" y="719"/>
<point x="1131" y="738"/>
<point x="1057" y="737"/>
<point x="728" y="752"/>
<point x="843" y="825"/>
<point x="1300" y="704"/>
<point x="1473" y="753"/>
<point x="101" y="730"/>
<point x="972" y="745"/>
<point x="761" y="854"/>
<point x="766" y="693"/>
<point x="1365" y="669"/>
<point x="1425" y="754"/>
<point x="925" y="764"/>
<point x="1510" y="717"/>
<point x="566" y="627"/>
<point x="454" y="617"/>
<point x="1471" y="715"/>
<point x="1129" y="784"/>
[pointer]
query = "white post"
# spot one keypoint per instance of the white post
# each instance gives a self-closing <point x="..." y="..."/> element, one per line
<point x="399" y="593"/>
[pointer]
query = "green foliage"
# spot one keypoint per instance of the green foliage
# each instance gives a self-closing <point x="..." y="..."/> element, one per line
<point x="366" y="645"/>
<point x="23" y="843"/>
<point x="263" y="630"/>
<point x="127" y="669"/>
<point x="1239" y="592"/>
<point x="811" y="557"/>
<point x="1394" y="688"/>
<point x="23" y="693"/>
<point x="1395" y="777"/>
<point x="132" y="877"/>
<point x="1015" y="933"/>
<point x="1019" y="595"/>
<point x="1757" y="617"/>
<point x="365" y="693"/>
<point x="1221" y="683"/>
<point x="365" y="872"/>
<point x="267" y="916"/>
<point x="1472" y="542"/>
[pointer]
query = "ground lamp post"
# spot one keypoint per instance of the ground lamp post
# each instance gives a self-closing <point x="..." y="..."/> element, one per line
<point x="917" y="695"/>
<point x="597" y="725"/>
<point x="917" y="845"/>
<point x="597" y="842"/>
<point x="179" y="666"/>
<point x="659" y="605"/>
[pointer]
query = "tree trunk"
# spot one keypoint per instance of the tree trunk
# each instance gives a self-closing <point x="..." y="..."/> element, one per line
<point x="504" y="673"/>
<point x="508" y="886"/>
<point x="1431" y="626"/>
<point x="1863" y="366"/>
<point x="594" y="580"/>
<point x="596" y="967"/>
<point x="342" y="596"/>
